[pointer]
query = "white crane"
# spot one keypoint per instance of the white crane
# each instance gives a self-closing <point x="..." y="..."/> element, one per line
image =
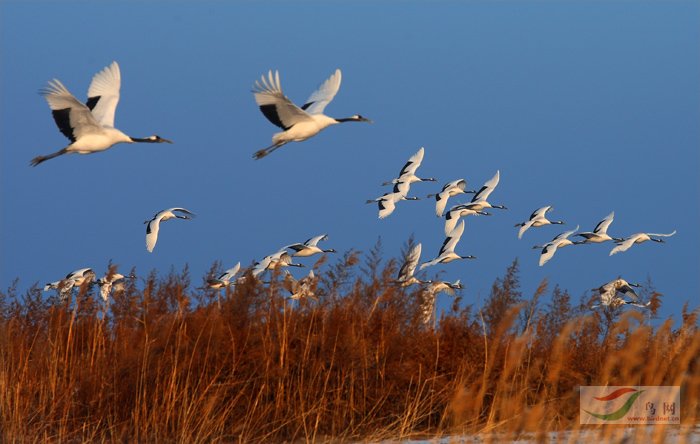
<point x="408" y="172"/>
<point x="73" y="279"/>
<point x="626" y="243"/>
<point x="280" y="258"/>
<point x="451" y="189"/>
<point x="447" y="251"/>
<point x="90" y="126"/>
<point x="302" y="288"/>
<point x="110" y="281"/>
<point x="298" y="123"/>
<point x="550" y="247"/>
<point x="608" y="294"/>
<point x="406" y="277"/>
<point x="310" y="247"/>
<point x="459" y="211"/>
<point x="537" y="219"/>
<point x="479" y="201"/>
<point x="387" y="201"/>
<point x="599" y="233"/>
<point x="224" y="279"/>
<point x="154" y="224"/>
<point x="429" y="294"/>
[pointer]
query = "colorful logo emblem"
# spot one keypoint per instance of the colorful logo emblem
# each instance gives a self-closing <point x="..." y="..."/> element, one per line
<point x="622" y="411"/>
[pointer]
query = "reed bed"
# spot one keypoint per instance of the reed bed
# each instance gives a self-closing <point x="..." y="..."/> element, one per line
<point x="167" y="362"/>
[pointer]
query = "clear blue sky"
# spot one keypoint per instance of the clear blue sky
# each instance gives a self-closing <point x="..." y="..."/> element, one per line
<point x="589" y="107"/>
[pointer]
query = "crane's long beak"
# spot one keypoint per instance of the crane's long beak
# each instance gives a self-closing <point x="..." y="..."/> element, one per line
<point x="166" y="140"/>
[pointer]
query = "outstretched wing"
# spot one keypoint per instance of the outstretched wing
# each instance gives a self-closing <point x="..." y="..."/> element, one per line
<point x="565" y="234"/>
<point x="315" y="240"/>
<point x="451" y="241"/>
<point x="487" y="188"/>
<point x="275" y="105"/>
<point x="318" y="100"/>
<point x="540" y="213"/>
<point x="524" y="228"/>
<point x="409" y="267"/>
<point x="230" y="273"/>
<point x="625" y="244"/>
<point x="413" y="163"/>
<point x="72" y="117"/>
<point x="602" y="227"/>
<point x="103" y="94"/>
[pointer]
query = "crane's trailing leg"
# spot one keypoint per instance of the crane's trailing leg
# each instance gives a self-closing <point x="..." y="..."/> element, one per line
<point x="38" y="159"/>
<point x="265" y="151"/>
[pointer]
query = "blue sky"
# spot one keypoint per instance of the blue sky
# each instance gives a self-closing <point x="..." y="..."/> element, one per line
<point x="589" y="107"/>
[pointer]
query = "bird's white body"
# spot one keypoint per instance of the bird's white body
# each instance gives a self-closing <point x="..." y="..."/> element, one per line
<point x="273" y="261"/>
<point x="225" y="278"/>
<point x="457" y="212"/>
<point x="551" y="247"/>
<point x="309" y="247"/>
<point x="153" y="225"/>
<point x="109" y="282"/>
<point x="74" y="279"/>
<point x="599" y="233"/>
<point x="447" y="251"/>
<point x="387" y="202"/>
<point x="637" y="238"/>
<point x="451" y="189"/>
<point x="608" y="294"/>
<point x="298" y="123"/>
<point x="429" y="295"/>
<point x="89" y="127"/>
<point x="537" y="219"/>
<point x="302" y="288"/>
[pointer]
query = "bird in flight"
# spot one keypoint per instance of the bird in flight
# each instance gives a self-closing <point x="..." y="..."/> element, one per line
<point x="537" y="219"/>
<point x="560" y="241"/>
<point x="626" y="243"/>
<point x="608" y="294"/>
<point x="89" y="126"/>
<point x="154" y="224"/>
<point x="298" y="123"/>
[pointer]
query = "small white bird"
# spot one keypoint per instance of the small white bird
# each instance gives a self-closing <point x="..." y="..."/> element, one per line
<point x="405" y="277"/>
<point x="459" y="211"/>
<point x="224" y="279"/>
<point x="429" y="294"/>
<point x="479" y="201"/>
<point x="550" y="247"/>
<point x="447" y="251"/>
<point x="280" y="258"/>
<point x="111" y="281"/>
<point x="408" y="172"/>
<point x="310" y="247"/>
<point x="387" y="202"/>
<point x="609" y="294"/>
<point x="302" y="288"/>
<point x="451" y="189"/>
<point x="154" y="224"/>
<point x="537" y="219"/>
<point x="626" y="243"/>
<point x="599" y="233"/>
<point x="89" y="127"/>
<point x="298" y="124"/>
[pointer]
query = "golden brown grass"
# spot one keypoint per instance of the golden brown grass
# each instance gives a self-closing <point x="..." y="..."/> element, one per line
<point x="167" y="363"/>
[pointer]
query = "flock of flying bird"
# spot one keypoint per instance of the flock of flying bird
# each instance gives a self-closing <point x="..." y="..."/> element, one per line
<point x="90" y="128"/>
